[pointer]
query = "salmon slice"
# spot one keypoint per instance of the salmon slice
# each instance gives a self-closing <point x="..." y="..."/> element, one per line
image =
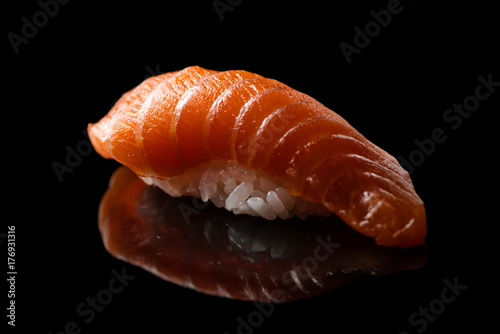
<point x="190" y="113"/>
<point x="256" y="146"/>
<point x="274" y="127"/>
<point x="253" y="113"/>
<point x="295" y="138"/>
<point x="309" y="180"/>
<point x="298" y="174"/>
<point x="392" y="218"/>
<point x="158" y="148"/>
<point x="221" y="118"/>
<point x="120" y="144"/>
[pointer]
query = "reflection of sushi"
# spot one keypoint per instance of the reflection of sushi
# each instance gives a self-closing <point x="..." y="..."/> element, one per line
<point x="256" y="146"/>
<point x="238" y="256"/>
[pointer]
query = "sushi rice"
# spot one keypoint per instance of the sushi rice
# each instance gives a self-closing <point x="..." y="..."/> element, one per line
<point x="239" y="190"/>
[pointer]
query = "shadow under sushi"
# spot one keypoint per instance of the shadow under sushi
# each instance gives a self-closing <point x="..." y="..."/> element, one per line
<point x="211" y="250"/>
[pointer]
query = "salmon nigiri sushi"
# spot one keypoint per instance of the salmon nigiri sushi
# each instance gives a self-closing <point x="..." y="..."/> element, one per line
<point x="255" y="146"/>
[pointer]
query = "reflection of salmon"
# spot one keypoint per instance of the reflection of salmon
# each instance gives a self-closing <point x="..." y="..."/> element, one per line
<point x="173" y="127"/>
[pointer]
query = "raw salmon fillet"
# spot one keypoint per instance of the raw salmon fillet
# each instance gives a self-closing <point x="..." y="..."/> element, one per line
<point x="173" y="128"/>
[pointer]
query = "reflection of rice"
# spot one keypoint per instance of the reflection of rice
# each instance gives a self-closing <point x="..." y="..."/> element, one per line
<point x="279" y="241"/>
<point x="240" y="190"/>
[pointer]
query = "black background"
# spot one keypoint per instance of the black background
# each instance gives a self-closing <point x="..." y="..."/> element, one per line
<point x="396" y="90"/>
